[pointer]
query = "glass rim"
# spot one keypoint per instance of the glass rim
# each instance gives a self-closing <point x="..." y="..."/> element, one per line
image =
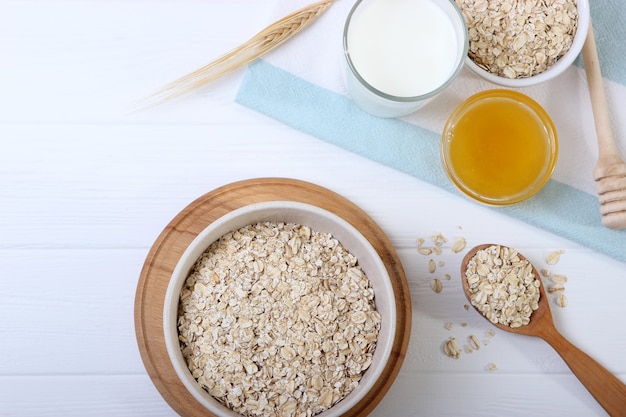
<point x="406" y="99"/>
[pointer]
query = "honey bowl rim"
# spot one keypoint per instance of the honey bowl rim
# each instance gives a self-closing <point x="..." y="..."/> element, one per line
<point x="531" y="106"/>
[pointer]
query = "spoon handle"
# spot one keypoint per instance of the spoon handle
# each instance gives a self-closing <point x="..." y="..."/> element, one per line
<point x="605" y="387"/>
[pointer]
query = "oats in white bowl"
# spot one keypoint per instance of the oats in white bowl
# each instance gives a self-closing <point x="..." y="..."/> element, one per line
<point x="517" y="43"/>
<point x="277" y="319"/>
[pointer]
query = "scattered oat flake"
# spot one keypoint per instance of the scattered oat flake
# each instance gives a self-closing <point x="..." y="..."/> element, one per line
<point x="441" y="263"/>
<point x="448" y="277"/>
<point x="491" y="367"/>
<point x="436" y="285"/>
<point x="561" y="300"/>
<point x="468" y="349"/>
<point x="425" y="251"/>
<point x="463" y="324"/>
<point x="420" y="241"/>
<point x="449" y="325"/>
<point x="438" y="239"/>
<point x="458" y="245"/>
<point x="451" y="349"/>
<point x="555" y="289"/>
<point x="466" y="306"/>
<point x="554" y="257"/>
<point x="437" y="250"/>
<point x="474" y="343"/>
<point x="545" y="272"/>
<point x="431" y="266"/>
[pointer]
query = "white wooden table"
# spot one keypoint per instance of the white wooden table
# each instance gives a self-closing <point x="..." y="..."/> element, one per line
<point x="86" y="186"/>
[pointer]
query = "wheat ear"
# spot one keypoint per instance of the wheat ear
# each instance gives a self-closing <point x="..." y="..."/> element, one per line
<point x="263" y="42"/>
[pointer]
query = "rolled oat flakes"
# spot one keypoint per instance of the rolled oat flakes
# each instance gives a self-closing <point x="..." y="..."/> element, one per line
<point x="519" y="38"/>
<point x="502" y="286"/>
<point x="276" y="319"/>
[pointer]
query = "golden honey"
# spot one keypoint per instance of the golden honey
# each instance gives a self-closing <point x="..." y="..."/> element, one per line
<point x="499" y="147"/>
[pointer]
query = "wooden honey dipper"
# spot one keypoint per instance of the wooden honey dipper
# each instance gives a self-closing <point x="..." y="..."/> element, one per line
<point x="610" y="170"/>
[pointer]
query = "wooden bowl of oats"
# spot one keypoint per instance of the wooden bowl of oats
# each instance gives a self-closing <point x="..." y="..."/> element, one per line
<point x="286" y="299"/>
<point x="519" y="44"/>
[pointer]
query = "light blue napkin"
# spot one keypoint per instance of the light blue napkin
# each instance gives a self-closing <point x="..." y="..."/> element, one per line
<point x="558" y="208"/>
<point x="330" y="116"/>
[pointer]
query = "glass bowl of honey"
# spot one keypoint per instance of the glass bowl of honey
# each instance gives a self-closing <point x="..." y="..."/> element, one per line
<point x="499" y="147"/>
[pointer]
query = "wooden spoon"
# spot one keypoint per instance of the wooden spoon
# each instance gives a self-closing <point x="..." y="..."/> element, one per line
<point x="607" y="389"/>
<point x="610" y="170"/>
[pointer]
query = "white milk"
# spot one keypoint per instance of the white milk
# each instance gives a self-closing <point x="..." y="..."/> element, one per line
<point x="404" y="48"/>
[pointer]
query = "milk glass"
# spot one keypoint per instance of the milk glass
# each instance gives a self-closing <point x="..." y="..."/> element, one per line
<point x="402" y="53"/>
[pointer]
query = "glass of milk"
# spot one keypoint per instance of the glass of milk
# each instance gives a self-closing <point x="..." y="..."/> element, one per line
<point x="402" y="53"/>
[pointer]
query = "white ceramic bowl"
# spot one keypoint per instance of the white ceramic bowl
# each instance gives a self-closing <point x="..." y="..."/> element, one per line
<point x="321" y="221"/>
<point x="556" y="69"/>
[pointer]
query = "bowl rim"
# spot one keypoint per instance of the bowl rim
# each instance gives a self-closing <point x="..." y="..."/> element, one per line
<point x="584" y="18"/>
<point x="532" y="106"/>
<point x="270" y="210"/>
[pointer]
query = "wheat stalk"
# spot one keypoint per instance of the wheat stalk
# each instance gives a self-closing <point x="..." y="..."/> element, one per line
<point x="260" y="44"/>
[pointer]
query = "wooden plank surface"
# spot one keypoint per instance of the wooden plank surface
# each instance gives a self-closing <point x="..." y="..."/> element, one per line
<point x="86" y="186"/>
